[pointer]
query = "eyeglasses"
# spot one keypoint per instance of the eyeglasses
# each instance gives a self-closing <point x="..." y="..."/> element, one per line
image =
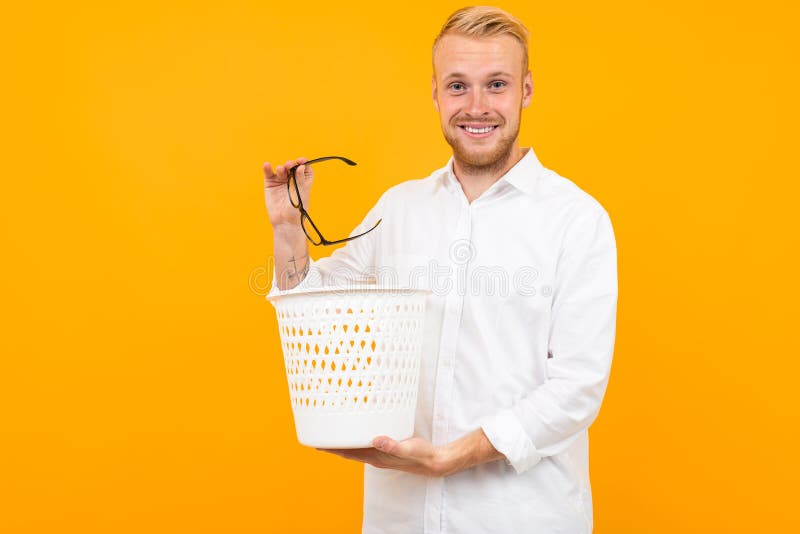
<point x="309" y="228"/>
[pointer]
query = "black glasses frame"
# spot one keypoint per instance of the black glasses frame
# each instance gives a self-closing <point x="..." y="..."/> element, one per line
<point x="304" y="217"/>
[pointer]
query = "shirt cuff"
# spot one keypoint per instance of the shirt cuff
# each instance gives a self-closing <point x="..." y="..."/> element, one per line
<point x="507" y="435"/>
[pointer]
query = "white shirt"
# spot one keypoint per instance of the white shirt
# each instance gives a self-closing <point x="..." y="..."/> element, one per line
<point x="519" y="336"/>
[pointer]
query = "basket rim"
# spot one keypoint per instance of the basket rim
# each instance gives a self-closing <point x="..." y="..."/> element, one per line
<point x="346" y="290"/>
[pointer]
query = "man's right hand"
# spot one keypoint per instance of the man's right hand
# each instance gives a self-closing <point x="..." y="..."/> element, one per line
<point x="291" y="247"/>
<point x="284" y="217"/>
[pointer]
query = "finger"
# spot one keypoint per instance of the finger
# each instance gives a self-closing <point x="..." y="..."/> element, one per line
<point x="337" y="452"/>
<point x="346" y="454"/>
<point x="269" y="174"/>
<point x="283" y="170"/>
<point x="301" y="170"/>
<point x="346" y="451"/>
<point x="300" y="173"/>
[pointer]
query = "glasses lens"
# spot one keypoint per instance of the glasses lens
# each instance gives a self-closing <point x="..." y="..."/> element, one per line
<point x="292" y="184"/>
<point x="311" y="232"/>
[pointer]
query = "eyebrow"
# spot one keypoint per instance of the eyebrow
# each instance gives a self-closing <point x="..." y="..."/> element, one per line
<point x="462" y="75"/>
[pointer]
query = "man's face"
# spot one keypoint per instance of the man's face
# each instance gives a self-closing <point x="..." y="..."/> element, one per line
<point x="479" y="90"/>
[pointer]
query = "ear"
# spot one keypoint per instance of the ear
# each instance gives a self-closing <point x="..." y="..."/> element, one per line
<point x="527" y="90"/>
<point x="434" y="93"/>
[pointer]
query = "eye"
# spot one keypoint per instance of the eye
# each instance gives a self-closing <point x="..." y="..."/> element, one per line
<point x="497" y="84"/>
<point x="457" y="86"/>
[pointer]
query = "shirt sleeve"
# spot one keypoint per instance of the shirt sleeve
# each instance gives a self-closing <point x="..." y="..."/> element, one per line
<point x="582" y="333"/>
<point x="352" y="263"/>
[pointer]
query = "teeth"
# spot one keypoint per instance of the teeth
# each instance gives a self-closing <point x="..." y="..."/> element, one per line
<point x="479" y="130"/>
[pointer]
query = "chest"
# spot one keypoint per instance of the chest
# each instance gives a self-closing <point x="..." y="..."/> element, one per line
<point x="504" y="247"/>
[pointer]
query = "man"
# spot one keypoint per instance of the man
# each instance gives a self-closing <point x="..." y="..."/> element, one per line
<point x="518" y="348"/>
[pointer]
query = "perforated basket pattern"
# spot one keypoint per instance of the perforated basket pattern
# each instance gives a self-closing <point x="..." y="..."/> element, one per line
<point x="352" y="351"/>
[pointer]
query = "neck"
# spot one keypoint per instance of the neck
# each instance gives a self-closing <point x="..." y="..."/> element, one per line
<point x="476" y="179"/>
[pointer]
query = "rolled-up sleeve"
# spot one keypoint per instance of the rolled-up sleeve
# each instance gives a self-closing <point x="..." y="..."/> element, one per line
<point x="582" y="332"/>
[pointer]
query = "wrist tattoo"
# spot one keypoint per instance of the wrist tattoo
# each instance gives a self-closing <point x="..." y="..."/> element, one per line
<point x="293" y="273"/>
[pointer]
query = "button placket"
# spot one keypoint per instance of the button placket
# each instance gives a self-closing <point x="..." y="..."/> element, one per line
<point x="445" y="367"/>
<point x="453" y="306"/>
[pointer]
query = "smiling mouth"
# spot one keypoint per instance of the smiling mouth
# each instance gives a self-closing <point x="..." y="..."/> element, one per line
<point x="482" y="130"/>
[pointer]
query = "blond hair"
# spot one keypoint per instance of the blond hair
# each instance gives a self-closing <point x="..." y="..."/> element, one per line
<point x="485" y="21"/>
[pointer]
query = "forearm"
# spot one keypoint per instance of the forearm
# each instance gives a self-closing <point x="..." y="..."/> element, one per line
<point x="468" y="451"/>
<point x="291" y="256"/>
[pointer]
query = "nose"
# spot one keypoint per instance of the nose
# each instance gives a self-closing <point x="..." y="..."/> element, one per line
<point x="478" y="104"/>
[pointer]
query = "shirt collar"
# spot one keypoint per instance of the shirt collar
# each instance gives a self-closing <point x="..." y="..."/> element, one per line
<point x="523" y="175"/>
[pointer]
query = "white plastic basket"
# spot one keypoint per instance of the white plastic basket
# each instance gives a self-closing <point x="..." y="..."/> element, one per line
<point x="352" y="362"/>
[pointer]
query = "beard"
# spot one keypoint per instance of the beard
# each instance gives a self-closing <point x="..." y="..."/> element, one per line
<point x="488" y="161"/>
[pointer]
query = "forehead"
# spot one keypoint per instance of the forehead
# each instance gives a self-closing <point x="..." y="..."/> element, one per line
<point x="476" y="56"/>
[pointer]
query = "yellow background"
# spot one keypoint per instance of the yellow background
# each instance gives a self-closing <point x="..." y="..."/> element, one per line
<point x="141" y="379"/>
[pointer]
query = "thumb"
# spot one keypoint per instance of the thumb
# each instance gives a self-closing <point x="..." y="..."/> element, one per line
<point x="385" y="444"/>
